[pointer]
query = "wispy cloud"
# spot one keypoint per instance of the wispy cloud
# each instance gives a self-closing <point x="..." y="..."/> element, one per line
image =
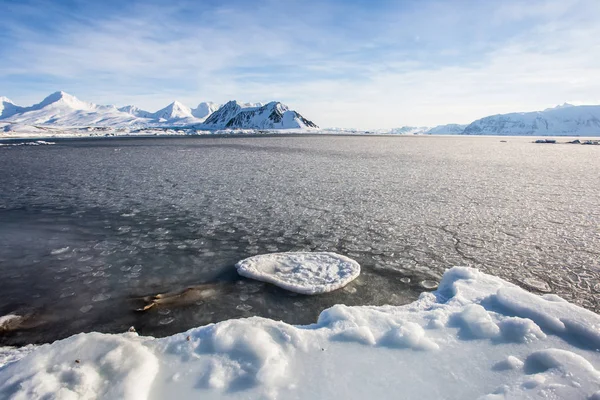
<point x="342" y="63"/>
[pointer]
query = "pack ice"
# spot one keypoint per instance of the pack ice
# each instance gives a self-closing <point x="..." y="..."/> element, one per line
<point x="301" y="272"/>
<point x="476" y="337"/>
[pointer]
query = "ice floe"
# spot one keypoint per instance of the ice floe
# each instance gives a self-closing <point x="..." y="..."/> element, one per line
<point x="9" y="321"/>
<point x="301" y="272"/>
<point x="32" y="143"/>
<point x="477" y="336"/>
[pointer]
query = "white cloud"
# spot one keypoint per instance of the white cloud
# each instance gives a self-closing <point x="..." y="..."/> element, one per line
<point x="373" y="74"/>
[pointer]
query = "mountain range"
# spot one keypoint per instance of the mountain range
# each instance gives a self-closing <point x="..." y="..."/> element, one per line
<point x="63" y="109"/>
<point x="562" y="120"/>
<point x="565" y="119"/>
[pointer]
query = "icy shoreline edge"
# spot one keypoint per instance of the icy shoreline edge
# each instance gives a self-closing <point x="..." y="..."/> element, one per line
<point x="477" y="336"/>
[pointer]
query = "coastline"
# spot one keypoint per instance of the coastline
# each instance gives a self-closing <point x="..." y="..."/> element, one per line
<point x="518" y="344"/>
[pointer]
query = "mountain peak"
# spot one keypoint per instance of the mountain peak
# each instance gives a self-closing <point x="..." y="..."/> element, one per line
<point x="204" y="109"/>
<point x="273" y="115"/>
<point x="59" y="95"/>
<point x="61" y="98"/>
<point x="177" y="104"/>
<point x="7" y="107"/>
<point x="565" y="105"/>
<point x="175" y="110"/>
<point x="558" y="107"/>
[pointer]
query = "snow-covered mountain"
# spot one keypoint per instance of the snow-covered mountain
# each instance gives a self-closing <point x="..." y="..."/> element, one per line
<point x="566" y="119"/>
<point x="174" y="111"/>
<point x="63" y="109"/>
<point x="8" y="108"/>
<point x="135" y="111"/>
<point x="409" y="130"/>
<point x="205" y="109"/>
<point x="273" y="115"/>
<point x="448" y="129"/>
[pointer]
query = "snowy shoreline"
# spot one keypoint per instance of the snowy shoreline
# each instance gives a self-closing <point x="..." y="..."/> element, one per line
<point x="22" y="139"/>
<point x="477" y="336"/>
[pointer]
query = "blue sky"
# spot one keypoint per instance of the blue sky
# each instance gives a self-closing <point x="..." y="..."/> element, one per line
<point x="346" y="63"/>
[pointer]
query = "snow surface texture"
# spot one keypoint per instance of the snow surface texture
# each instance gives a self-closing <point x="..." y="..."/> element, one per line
<point x="61" y="109"/>
<point x="301" y="272"/>
<point x="475" y="337"/>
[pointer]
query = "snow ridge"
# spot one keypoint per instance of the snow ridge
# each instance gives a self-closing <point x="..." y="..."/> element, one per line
<point x="8" y="108"/>
<point x="135" y="111"/>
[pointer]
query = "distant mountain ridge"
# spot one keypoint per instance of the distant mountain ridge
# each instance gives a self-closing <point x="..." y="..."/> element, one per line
<point x="565" y="119"/>
<point x="63" y="109"/>
<point x="562" y="120"/>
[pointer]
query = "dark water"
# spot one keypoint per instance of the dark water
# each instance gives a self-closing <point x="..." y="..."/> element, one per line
<point x="87" y="227"/>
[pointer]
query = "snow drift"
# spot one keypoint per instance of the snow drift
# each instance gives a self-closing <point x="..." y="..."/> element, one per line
<point x="477" y="336"/>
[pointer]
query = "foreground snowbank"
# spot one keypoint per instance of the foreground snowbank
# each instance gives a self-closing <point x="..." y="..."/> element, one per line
<point x="475" y="337"/>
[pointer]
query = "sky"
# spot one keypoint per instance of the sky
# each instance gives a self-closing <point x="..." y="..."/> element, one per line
<point x="341" y="63"/>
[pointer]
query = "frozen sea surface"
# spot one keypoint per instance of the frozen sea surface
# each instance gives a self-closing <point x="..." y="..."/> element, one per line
<point x="90" y="227"/>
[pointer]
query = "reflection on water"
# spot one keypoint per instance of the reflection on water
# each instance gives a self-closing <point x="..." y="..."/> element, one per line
<point x="88" y="228"/>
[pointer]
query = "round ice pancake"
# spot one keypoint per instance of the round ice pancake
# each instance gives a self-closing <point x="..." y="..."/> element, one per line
<point x="301" y="272"/>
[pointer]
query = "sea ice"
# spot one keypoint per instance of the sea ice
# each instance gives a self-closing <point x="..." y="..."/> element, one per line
<point x="301" y="272"/>
<point x="7" y="322"/>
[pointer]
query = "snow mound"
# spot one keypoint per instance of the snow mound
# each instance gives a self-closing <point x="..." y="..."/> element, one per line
<point x="84" y="366"/>
<point x="301" y="272"/>
<point x="234" y="355"/>
<point x="477" y="336"/>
